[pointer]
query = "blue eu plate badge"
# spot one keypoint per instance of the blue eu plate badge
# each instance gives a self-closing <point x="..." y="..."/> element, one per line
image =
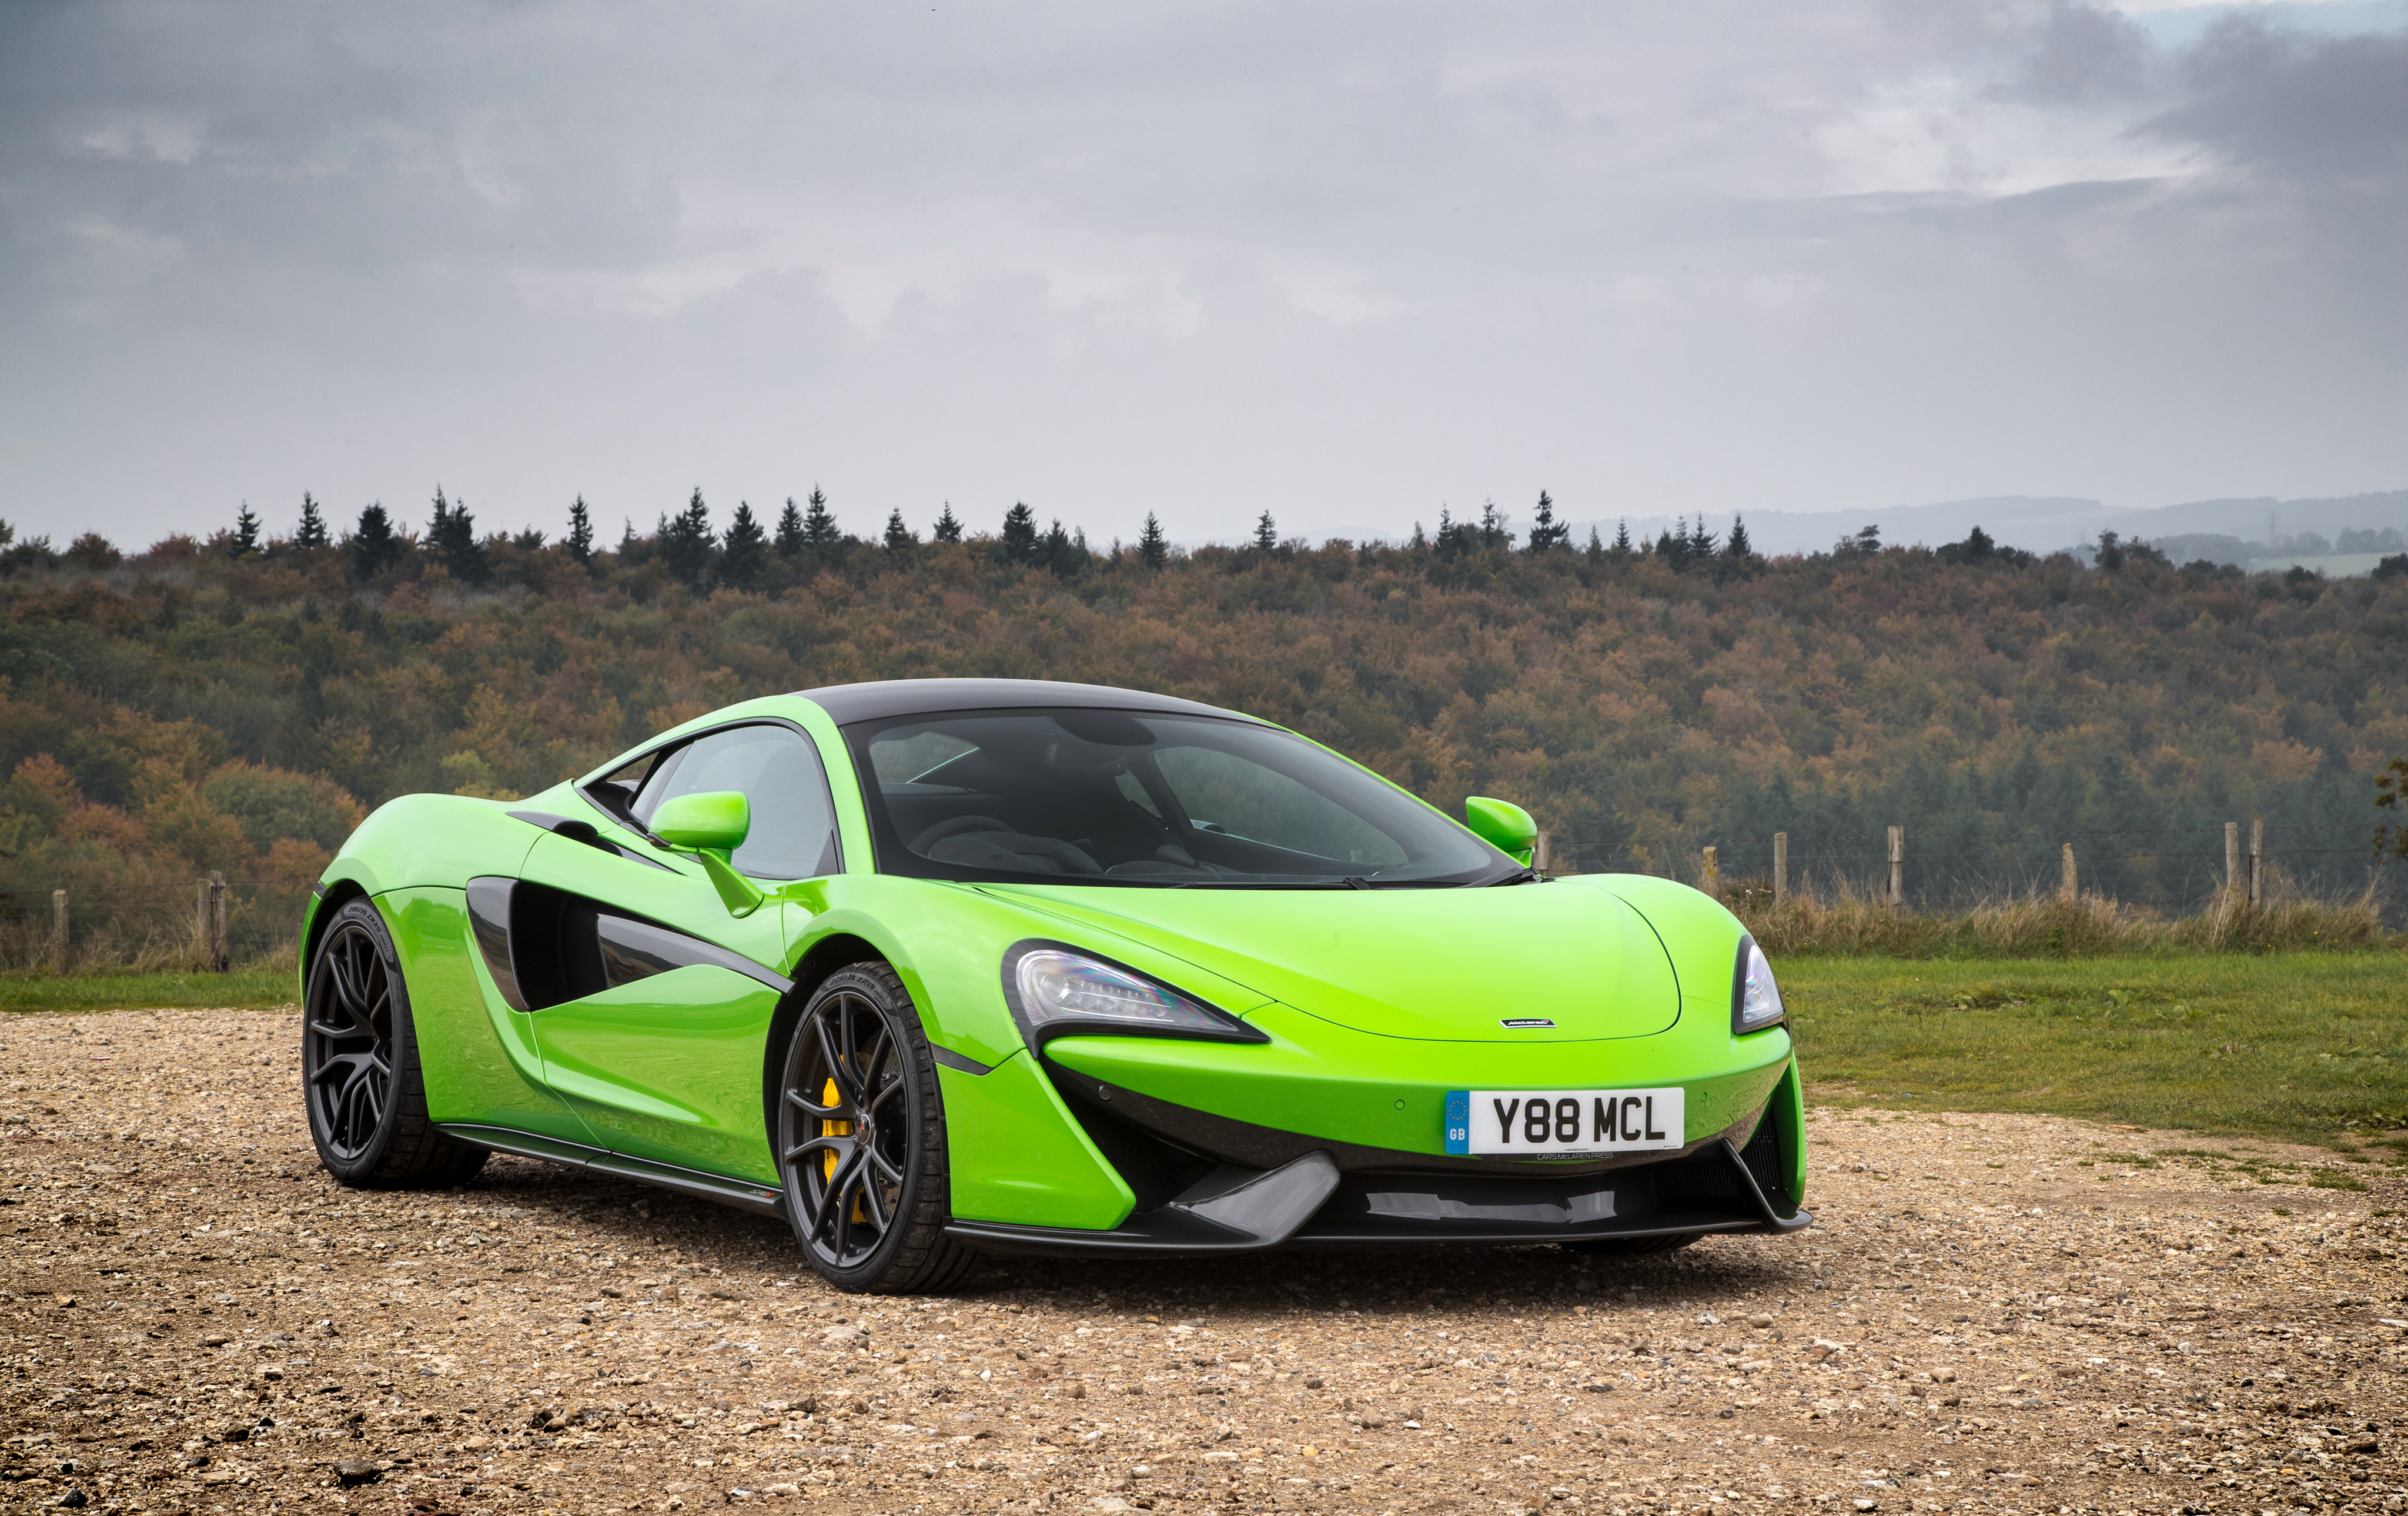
<point x="1458" y="1121"/>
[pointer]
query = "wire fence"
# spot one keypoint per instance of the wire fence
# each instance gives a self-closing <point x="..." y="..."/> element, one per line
<point x="211" y="924"/>
<point x="2179" y="871"/>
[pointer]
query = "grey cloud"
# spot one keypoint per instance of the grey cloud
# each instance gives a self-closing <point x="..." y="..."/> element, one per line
<point x="2318" y="109"/>
<point x="1347" y="259"/>
<point x="2083" y="54"/>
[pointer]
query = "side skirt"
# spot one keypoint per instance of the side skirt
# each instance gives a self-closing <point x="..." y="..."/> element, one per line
<point x="744" y="1194"/>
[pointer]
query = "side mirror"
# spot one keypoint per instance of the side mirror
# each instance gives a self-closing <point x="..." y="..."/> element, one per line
<point x="711" y="826"/>
<point x="1500" y="823"/>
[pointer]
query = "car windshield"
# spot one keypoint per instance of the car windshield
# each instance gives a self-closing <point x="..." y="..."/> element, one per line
<point x="1136" y="797"/>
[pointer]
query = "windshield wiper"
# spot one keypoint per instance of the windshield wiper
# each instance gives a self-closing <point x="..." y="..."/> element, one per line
<point x="1267" y="884"/>
<point x="1519" y="876"/>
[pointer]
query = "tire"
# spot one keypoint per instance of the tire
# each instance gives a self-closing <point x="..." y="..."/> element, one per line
<point x="1633" y="1247"/>
<point x="870" y="1214"/>
<point x="360" y="1076"/>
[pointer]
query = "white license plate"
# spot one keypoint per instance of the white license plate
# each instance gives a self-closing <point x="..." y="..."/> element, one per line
<point x="1562" y="1124"/>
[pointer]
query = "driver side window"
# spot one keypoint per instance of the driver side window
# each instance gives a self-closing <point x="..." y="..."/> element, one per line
<point x="779" y="772"/>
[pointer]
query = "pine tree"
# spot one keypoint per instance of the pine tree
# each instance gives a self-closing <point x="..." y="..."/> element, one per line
<point x="452" y="536"/>
<point x="790" y="530"/>
<point x="1737" y="547"/>
<point x="1622" y="548"/>
<point x="1451" y="538"/>
<point x="1545" y="535"/>
<point x="899" y="538"/>
<point x="1056" y="551"/>
<point x="581" y="533"/>
<point x="311" y="533"/>
<point x="1492" y="528"/>
<point x="1596" y="545"/>
<point x="1152" y="550"/>
<point x="819" y="532"/>
<point x="1702" y="541"/>
<point x="686" y="541"/>
<point x="948" y="528"/>
<point x="1864" y="545"/>
<point x="374" y="547"/>
<point x="1266" y="534"/>
<point x="741" y="555"/>
<point x="1019" y="534"/>
<point x="246" y="532"/>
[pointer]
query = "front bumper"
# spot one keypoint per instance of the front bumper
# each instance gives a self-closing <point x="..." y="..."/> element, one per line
<point x="1207" y="1184"/>
<point x="1717" y="1189"/>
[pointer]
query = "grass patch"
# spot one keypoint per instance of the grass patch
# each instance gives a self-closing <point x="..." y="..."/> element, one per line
<point x="1841" y="917"/>
<point x="2300" y="1046"/>
<point x="245" y="989"/>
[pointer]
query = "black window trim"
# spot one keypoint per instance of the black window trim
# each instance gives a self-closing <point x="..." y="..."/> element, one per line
<point x="673" y="750"/>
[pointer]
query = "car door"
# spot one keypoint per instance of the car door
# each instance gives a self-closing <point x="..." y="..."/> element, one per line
<point x="659" y="1044"/>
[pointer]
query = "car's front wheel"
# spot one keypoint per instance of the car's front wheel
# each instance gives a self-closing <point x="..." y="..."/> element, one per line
<point x="359" y="1065"/>
<point x="861" y="1140"/>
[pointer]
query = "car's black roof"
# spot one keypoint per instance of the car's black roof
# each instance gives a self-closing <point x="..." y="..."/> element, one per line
<point x="885" y="698"/>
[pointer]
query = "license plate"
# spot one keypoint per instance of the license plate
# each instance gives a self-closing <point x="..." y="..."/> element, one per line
<point x="1562" y="1124"/>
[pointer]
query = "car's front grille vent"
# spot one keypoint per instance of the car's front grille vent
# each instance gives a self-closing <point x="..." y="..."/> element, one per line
<point x="1765" y="1160"/>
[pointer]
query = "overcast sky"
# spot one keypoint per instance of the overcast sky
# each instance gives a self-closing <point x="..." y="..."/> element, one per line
<point x="1345" y="262"/>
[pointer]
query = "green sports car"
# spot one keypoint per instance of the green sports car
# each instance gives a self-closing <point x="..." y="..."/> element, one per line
<point x="941" y="968"/>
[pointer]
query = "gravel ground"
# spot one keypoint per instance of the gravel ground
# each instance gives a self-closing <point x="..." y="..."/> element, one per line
<point x="1996" y="1314"/>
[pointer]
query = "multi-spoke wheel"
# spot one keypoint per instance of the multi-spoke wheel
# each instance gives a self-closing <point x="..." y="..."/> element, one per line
<point x="861" y="1140"/>
<point x="359" y="1065"/>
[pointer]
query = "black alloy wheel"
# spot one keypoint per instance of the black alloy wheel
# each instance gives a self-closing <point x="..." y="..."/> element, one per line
<point x="360" y="1075"/>
<point x="861" y="1140"/>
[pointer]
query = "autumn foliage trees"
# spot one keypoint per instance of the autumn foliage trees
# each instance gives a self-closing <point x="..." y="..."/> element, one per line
<point x="188" y="706"/>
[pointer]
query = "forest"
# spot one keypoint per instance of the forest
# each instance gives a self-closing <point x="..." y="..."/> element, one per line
<point x="237" y="701"/>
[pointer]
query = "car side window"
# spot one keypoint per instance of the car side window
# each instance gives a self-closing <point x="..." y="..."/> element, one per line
<point x="779" y="772"/>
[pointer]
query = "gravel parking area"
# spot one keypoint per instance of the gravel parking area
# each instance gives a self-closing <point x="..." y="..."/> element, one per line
<point x="1994" y="1314"/>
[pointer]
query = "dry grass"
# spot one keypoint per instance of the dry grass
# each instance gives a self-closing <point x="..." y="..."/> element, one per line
<point x="262" y="934"/>
<point x="1845" y="918"/>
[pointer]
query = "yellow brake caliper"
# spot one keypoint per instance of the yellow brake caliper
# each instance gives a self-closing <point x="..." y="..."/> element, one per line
<point x="829" y="1096"/>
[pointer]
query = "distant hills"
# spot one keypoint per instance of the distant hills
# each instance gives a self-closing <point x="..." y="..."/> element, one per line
<point x="2260" y="531"/>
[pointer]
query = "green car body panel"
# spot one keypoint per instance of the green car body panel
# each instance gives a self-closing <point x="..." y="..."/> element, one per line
<point x="1371" y="1006"/>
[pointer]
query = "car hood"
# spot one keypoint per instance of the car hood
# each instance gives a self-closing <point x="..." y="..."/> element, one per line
<point x="1448" y="965"/>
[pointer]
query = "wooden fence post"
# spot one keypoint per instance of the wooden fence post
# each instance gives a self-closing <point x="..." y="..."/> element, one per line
<point x="2232" y="858"/>
<point x="58" y="931"/>
<point x="1780" y="868"/>
<point x="1540" y="853"/>
<point x="2257" y="861"/>
<point x="1713" y="874"/>
<point x="1898" y="871"/>
<point x="2069" y="884"/>
<point x="219" y="959"/>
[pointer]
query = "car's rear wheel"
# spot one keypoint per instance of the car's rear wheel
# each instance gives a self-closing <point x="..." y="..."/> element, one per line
<point x="1633" y="1247"/>
<point x="861" y="1140"/>
<point x="360" y="1071"/>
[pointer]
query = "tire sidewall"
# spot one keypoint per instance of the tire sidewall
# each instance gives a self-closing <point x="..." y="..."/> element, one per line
<point x="925" y="1116"/>
<point x="363" y="1168"/>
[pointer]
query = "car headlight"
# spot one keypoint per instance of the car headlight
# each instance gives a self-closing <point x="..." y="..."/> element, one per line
<point x="1053" y="989"/>
<point x="1756" y="1000"/>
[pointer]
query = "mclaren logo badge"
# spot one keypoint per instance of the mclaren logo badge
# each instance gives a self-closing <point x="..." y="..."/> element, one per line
<point x="1521" y="1021"/>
